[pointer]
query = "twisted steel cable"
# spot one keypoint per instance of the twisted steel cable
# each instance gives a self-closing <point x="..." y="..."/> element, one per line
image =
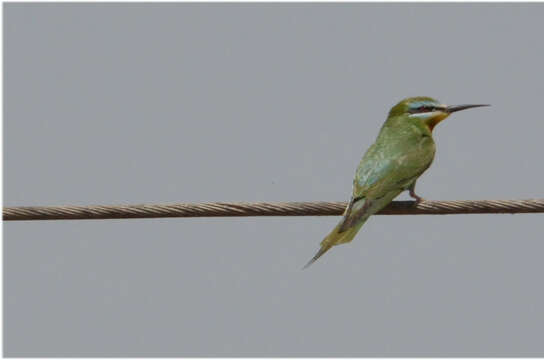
<point x="216" y="209"/>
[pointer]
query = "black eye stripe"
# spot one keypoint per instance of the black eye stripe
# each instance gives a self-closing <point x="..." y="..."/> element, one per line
<point x="423" y="108"/>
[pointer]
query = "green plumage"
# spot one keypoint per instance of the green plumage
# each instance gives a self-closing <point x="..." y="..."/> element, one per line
<point x="403" y="150"/>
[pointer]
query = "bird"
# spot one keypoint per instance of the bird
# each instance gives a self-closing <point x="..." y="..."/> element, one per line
<point x="403" y="150"/>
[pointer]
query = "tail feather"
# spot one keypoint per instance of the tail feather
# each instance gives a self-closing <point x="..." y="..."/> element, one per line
<point x="321" y="251"/>
<point x="356" y="214"/>
<point x="335" y="238"/>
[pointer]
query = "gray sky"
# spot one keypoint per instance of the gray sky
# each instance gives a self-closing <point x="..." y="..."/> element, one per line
<point x="125" y="104"/>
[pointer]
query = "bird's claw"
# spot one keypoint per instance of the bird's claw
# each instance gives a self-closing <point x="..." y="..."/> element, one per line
<point x="418" y="198"/>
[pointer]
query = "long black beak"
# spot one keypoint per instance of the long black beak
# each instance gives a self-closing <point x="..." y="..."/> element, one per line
<point x="454" y="108"/>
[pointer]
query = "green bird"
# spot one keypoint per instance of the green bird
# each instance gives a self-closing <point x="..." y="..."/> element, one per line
<point x="403" y="150"/>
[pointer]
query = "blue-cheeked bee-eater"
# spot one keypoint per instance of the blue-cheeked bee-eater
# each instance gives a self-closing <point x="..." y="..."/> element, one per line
<point x="403" y="150"/>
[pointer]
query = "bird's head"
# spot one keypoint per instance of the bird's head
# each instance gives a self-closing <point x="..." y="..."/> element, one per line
<point x="426" y="109"/>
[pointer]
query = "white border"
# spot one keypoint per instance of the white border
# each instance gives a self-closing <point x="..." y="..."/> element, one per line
<point x="141" y="1"/>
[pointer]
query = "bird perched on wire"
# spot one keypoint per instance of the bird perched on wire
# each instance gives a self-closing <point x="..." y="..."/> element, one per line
<point x="403" y="150"/>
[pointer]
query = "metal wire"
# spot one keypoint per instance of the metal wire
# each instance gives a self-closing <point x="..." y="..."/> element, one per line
<point x="217" y="209"/>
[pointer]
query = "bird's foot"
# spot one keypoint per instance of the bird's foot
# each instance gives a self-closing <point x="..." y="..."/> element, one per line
<point x="418" y="198"/>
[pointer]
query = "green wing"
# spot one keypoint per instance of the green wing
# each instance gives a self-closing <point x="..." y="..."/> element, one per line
<point x="391" y="166"/>
<point x="387" y="168"/>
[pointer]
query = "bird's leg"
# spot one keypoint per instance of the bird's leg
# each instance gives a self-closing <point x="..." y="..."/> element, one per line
<point x="412" y="190"/>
